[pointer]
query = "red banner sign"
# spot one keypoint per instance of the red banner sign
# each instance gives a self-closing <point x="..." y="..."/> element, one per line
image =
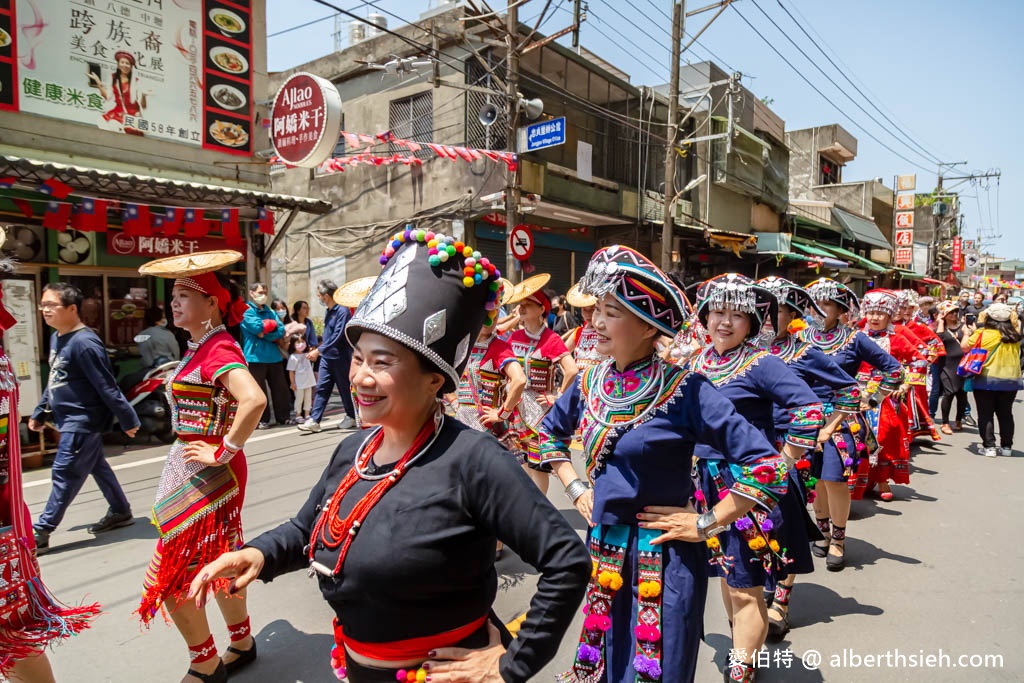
<point x="156" y="247"/>
<point x="958" y="254"/>
<point x="306" y="120"/>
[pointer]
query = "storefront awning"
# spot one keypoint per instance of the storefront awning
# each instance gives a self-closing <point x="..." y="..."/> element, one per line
<point x="151" y="189"/>
<point x="814" y="251"/>
<point x="861" y="229"/>
<point x="864" y="263"/>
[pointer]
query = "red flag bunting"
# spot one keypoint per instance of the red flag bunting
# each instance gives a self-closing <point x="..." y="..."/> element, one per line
<point x="90" y="215"/>
<point x="196" y="224"/>
<point x="135" y="220"/>
<point x="173" y="218"/>
<point x="230" y="228"/>
<point x="57" y="215"/>
<point x="24" y="206"/>
<point x="55" y="188"/>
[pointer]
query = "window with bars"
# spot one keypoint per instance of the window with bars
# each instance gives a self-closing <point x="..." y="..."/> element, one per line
<point x="412" y="118"/>
<point x="478" y="135"/>
<point x="829" y="172"/>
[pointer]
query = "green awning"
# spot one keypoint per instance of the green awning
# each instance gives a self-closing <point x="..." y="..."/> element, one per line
<point x="867" y="264"/>
<point x="861" y="229"/>
<point x="813" y="251"/>
<point x="807" y="257"/>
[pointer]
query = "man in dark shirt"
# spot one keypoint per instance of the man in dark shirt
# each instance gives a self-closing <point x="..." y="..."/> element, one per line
<point x="334" y="356"/>
<point x="973" y="309"/>
<point x="82" y="397"/>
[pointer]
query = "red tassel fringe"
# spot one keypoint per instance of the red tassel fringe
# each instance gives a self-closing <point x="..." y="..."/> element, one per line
<point x="48" y="620"/>
<point x="182" y="556"/>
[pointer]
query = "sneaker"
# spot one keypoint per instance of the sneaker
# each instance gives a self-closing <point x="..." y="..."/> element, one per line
<point x="309" y="426"/>
<point x="112" y="520"/>
<point x="42" y="539"/>
<point x="347" y="423"/>
<point x="263" y="425"/>
<point x="991" y="452"/>
<point x="1006" y="452"/>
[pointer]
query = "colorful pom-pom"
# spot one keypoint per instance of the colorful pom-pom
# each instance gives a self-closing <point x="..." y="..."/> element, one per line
<point x="774" y="545"/>
<point x="756" y="543"/>
<point x="713" y="543"/>
<point x="468" y="281"/>
<point x="767" y="525"/>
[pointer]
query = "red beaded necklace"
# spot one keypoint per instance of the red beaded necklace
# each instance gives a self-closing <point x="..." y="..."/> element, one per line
<point x="335" y="531"/>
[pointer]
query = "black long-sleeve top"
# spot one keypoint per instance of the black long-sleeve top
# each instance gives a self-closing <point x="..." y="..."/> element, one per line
<point x="423" y="560"/>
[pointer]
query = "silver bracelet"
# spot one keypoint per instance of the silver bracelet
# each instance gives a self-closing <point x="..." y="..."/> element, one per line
<point x="575" y="489"/>
<point x="230" y="446"/>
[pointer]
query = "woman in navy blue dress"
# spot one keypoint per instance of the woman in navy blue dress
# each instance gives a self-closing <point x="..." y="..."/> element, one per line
<point x="840" y="396"/>
<point x="852" y="350"/>
<point x="640" y="418"/>
<point x="734" y="310"/>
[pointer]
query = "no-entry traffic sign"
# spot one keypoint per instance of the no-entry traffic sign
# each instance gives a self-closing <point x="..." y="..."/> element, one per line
<point x="520" y="242"/>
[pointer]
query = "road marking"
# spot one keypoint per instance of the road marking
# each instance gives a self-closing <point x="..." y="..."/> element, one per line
<point x="150" y="461"/>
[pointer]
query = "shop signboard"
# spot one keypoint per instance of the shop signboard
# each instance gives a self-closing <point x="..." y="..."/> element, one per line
<point x="306" y="120"/>
<point x="176" y="71"/>
<point x="120" y="244"/>
<point x="904" y="256"/>
<point x="22" y="340"/>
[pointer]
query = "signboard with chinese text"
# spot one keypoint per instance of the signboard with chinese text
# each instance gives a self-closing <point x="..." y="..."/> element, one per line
<point x="905" y="202"/>
<point x="904" y="238"/>
<point x="177" y="71"/>
<point x="155" y="247"/>
<point x="904" y="256"/>
<point x="958" y="255"/>
<point x="904" y="219"/>
<point x="306" y="120"/>
<point x="540" y="135"/>
<point x="906" y="183"/>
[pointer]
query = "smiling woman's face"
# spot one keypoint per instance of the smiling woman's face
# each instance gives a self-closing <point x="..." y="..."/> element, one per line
<point x="392" y="387"/>
<point x="728" y="328"/>
<point x="620" y="334"/>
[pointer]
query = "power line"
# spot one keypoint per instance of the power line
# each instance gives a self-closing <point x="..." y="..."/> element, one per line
<point x="870" y="101"/>
<point x="838" y="87"/>
<point x="688" y="35"/>
<point x="297" y="27"/>
<point x="822" y="94"/>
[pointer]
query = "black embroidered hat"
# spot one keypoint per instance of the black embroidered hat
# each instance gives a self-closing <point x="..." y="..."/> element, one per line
<point x="638" y="284"/>
<point x="432" y="296"/>
<point x="790" y="294"/>
<point x="739" y="292"/>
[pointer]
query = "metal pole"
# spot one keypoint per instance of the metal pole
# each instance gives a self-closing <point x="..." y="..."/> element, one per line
<point x="678" y="12"/>
<point x="512" y="107"/>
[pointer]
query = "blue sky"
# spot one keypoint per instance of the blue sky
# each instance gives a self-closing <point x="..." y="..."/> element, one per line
<point x="948" y="74"/>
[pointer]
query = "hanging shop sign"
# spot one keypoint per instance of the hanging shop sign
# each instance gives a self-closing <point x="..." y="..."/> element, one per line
<point x="306" y="121"/>
<point x="540" y="135"/>
<point x="906" y="183"/>
<point x="156" y="247"/>
<point x="905" y="202"/>
<point x="904" y="219"/>
<point x="904" y="238"/>
<point x="903" y="256"/>
<point x="958" y="255"/>
<point x="174" y="71"/>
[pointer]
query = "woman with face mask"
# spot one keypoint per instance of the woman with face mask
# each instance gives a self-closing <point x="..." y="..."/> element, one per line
<point x="734" y="310"/>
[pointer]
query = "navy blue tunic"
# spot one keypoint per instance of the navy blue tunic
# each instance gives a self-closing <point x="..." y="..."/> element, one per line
<point x="650" y="463"/>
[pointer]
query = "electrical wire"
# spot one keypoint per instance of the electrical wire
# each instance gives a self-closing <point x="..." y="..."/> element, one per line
<point x="822" y="94"/>
<point x="704" y="47"/>
<point x="869" y="100"/>
<point x="297" y="27"/>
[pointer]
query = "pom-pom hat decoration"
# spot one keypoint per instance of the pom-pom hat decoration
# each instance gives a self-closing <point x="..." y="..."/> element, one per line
<point x="827" y="289"/>
<point x="739" y="293"/>
<point x="432" y="296"/>
<point x="788" y="293"/>
<point x="639" y="285"/>
<point x="880" y="301"/>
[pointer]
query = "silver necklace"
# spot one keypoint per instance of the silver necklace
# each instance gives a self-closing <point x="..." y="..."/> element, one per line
<point x="438" y="423"/>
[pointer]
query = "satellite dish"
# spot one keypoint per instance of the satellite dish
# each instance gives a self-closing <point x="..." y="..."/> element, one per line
<point x="488" y="114"/>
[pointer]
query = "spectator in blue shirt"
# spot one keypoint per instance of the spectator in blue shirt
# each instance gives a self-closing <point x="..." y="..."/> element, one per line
<point x="261" y="329"/>
<point x="82" y="398"/>
<point x="334" y="356"/>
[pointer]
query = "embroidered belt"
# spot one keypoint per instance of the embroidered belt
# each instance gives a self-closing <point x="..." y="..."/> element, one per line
<point x="608" y="552"/>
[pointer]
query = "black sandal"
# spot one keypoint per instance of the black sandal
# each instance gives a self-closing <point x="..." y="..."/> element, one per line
<point x="777" y="628"/>
<point x="219" y="675"/>
<point x="835" y="563"/>
<point x="244" y="659"/>
<point x="824" y="526"/>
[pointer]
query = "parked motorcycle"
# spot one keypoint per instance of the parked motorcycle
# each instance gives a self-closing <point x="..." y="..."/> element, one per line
<point x="149" y="400"/>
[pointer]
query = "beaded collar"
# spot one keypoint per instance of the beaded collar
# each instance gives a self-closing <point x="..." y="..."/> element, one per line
<point x="194" y="345"/>
<point x="788" y="349"/>
<point x="829" y="341"/>
<point x="724" y="368"/>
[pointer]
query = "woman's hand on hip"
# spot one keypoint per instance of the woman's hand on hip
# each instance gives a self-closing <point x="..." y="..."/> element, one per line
<point x="460" y="665"/>
<point x="678" y="524"/>
<point x="202" y="453"/>
<point x="243" y="565"/>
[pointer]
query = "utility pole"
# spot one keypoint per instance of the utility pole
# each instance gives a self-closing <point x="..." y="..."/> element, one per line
<point x="512" y="107"/>
<point x="678" y="17"/>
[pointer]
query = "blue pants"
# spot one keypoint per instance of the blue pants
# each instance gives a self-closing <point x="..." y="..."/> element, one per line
<point x="79" y="455"/>
<point x="936" y="391"/>
<point x="333" y="373"/>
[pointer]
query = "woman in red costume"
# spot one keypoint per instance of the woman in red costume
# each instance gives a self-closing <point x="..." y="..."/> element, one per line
<point x="932" y="350"/>
<point x="582" y="341"/>
<point x="30" y="618"/>
<point x="891" y="460"/>
<point x="215" y="406"/>
<point x="124" y="92"/>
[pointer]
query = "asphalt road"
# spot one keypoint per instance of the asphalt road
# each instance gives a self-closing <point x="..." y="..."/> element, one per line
<point x="935" y="572"/>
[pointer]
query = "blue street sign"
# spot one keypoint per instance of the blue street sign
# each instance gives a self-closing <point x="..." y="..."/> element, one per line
<point x="543" y="134"/>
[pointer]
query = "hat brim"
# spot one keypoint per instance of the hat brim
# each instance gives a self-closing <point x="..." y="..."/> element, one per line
<point x="353" y="292"/>
<point x="190" y="264"/>
<point x="575" y="297"/>
<point x="528" y="287"/>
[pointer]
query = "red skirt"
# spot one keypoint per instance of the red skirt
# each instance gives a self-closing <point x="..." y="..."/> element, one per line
<point x="892" y="457"/>
<point x="178" y="559"/>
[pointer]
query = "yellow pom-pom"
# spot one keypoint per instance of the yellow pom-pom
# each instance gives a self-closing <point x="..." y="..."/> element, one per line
<point x="605" y="579"/>
<point x="713" y="543"/>
<point x="854" y="428"/>
<point x="432" y="243"/>
<point x="421" y="676"/>
<point x="774" y="545"/>
<point x="467" y="252"/>
<point x="616" y="582"/>
<point x="756" y="543"/>
<point x="593" y="569"/>
<point x="650" y="589"/>
<point x="468" y="281"/>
